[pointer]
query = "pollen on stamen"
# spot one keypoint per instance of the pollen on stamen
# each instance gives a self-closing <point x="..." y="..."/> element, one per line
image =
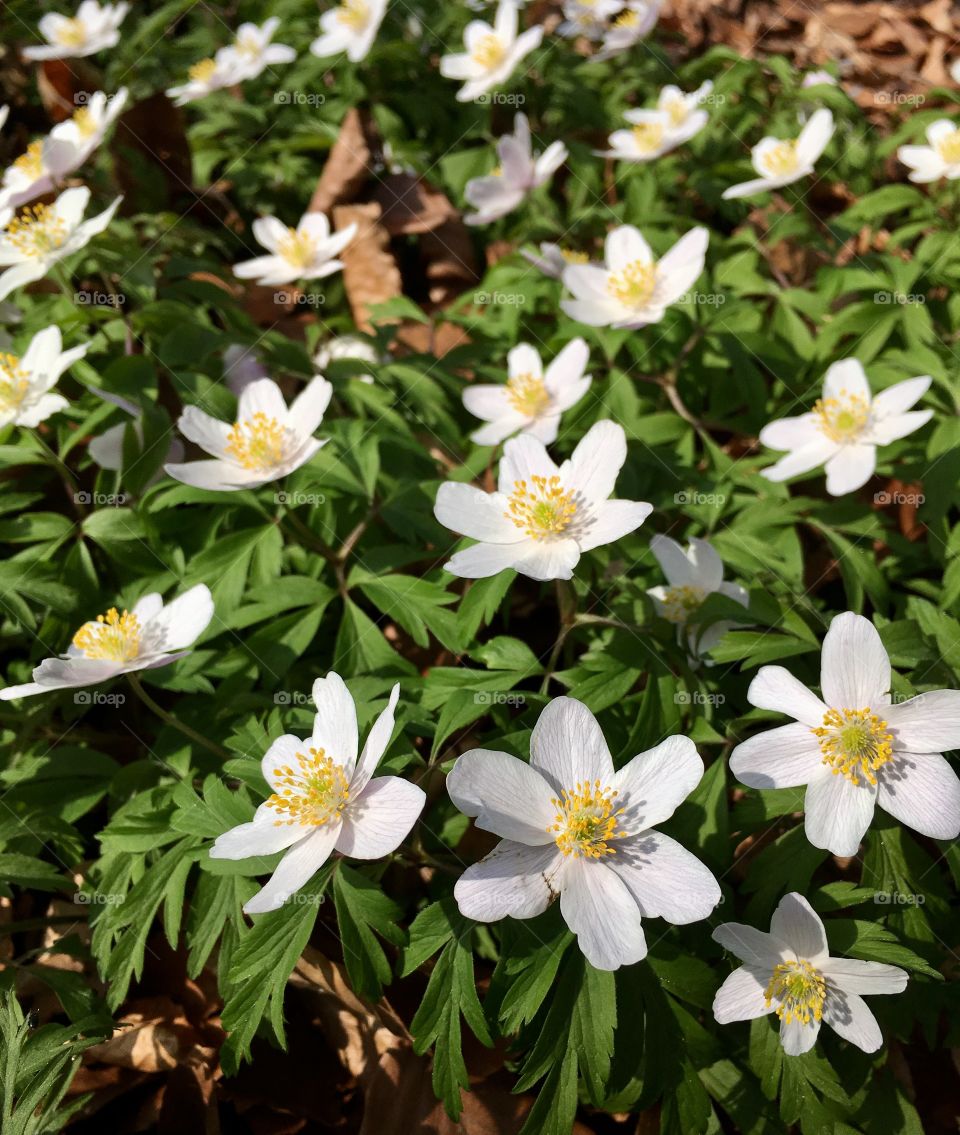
<point x="634" y="284"/>
<point x="855" y="743"/>
<point x="542" y="508"/>
<point x="844" y="418"/>
<point x="258" y="443"/>
<point x="312" y="794"/>
<point x="489" y="51"/>
<point x="781" y="159"/>
<point x="799" y="990"/>
<point x="587" y="821"/>
<point x="14" y="382"/>
<point x="36" y="231"/>
<point x="527" y="393"/>
<point x="298" y="248"/>
<point x="114" y="637"/>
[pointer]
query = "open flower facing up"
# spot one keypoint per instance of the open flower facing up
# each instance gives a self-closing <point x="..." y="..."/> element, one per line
<point x="324" y="799"/>
<point x="542" y="518"/>
<point x="518" y="174"/>
<point x="573" y="827"/>
<point x="939" y="158"/>
<point x="252" y="50"/>
<point x="492" y="53"/>
<point x="351" y="28"/>
<point x="653" y="133"/>
<point x="845" y="428"/>
<point x="853" y="749"/>
<point x="632" y="289"/>
<point x="26" y="380"/>
<point x="149" y="636"/>
<point x="94" y="28"/>
<point x="790" y="972"/>
<point x="532" y="400"/>
<point x="780" y="162"/>
<point x="43" y="235"/>
<point x="107" y="448"/>
<point x="692" y="575"/>
<point x="305" y="253"/>
<point x="265" y="443"/>
<point x="629" y="27"/>
<point x="553" y="259"/>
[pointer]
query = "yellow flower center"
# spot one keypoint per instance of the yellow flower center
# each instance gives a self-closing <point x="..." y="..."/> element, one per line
<point x="648" y="136"/>
<point x="586" y="821"/>
<point x="799" y="991"/>
<point x="633" y="285"/>
<point x="949" y="148"/>
<point x="14" y="382"/>
<point x="676" y="109"/>
<point x="248" y="44"/>
<point x="854" y="743"/>
<point x="527" y="393"/>
<point x="85" y="122"/>
<point x="843" y="418"/>
<point x="781" y="159"/>
<point x="573" y="257"/>
<point x="312" y="794"/>
<point x="680" y="602"/>
<point x="627" y="19"/>
<point x="542" y="509"/>
<point x="38" y="231"/>
<point x="71" y="33"/>
<point x="30" y="162"/>
<point x="297" y="248"/>
<point x="203" y="71"/>
<point x="354" y="13"/>
<point x="257" y="443"/>
<point x="489" y="51"/>
<point x="113" y="637"/>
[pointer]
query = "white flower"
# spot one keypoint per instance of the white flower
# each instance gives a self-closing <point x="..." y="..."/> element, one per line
<point x="304" y="253"/>
<point x="492" y="53"/>
<point x="149" y="636"/>
<point x="43" y="235"/>
<point x="941" y="158"/>
<point x="352" y="28"/>
<point x="553" y="259"/>
<point x="632" y="289"/>
<point x="94" y="28"/>
<point x="781" y="162"/>
<point x="854" y="749"/>
<point x="208" y="75"/>
<point x="26" y="381"/>
<point x="633" y="24"/>
<point x="4" y="111"/>
<point x="955" y="70"/>
<point x="241" y="366"/>
<point x="543" y="518"/>
<point x="845" y="428"/>
<point x="818" y="78"/>
<point x="790" y="972"/>
<point x="324" y="799"/>
<point x="252" y="52"/>
<point x="265" y="443"/>
<point x="587" y="18"/>
<point x="518" y="174"/>
<point x="573" y="827"/>
<point x="692" y="575"/>
<point x="107" y="449"/>
<point x="348" y="347"/>
<point x="531" y="401"/>
<point x="676" y="120"/>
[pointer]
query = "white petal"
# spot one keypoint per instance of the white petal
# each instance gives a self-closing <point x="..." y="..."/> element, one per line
<point x="470" y="511"/>
<point x="850" y="468"/>
<point x="490" y="403"/>
<point x="507" y="796"/>
<point x="796" y="1037"/>
<point x="814" y="137"/>
<point x="665" y="879"/>
<point x="208" y="432"/>
<point x="899" y="398"/>
<point x="307" y="409"/>
<point x="896" y="426"/>
<point x="216" y="476"/>
<point x="547" y="559"/>
<point x="849" y="1017"/>
<point x="791" y="433"/>
<point x="262" y="397"/>
<point x="854" y="667"/>
<point x="922" y="791"/>
<point x="335" y="724"/>
<point x="623" y="246"/>
<point x="568" y="747"/>
<point x="750" y="945"/>
<point x="680" y="267"/>
<point x="797" y="925"/>
<point x="854" y="976"/>
<point x="740" y="998"/>
<point x="596" y="462"/>
<point x="599" y="909"/>
<point x="376" y="743"/>
<point x="746" y="188"/>
<point x="928" y="723"/>
<point x="838" y="813"/>
<point x="654" y="784"/>
<point x="282" y="754"/>
<point x="802" y="460"/>
<point x="673" y="560"/>
<point x="380" y="818"/>
<point x="785" y="757"/>
<point x="181" y="622"/>
<point x="610" y="521"/>
<point x="296" y="868"/>
<point x="256" y="838"/>
<point x="524" y="457"/>
<point x="483" y="560"/>
<point x="513" y="881"/>
<point x="776" y="688"/>
<point x="567" y="368"/>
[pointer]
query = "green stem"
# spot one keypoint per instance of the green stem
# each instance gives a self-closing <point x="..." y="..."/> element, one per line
<point x="567" y="606"/>
<point x="175" y="722"/>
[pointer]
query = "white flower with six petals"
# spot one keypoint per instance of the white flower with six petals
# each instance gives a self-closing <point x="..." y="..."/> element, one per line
<point x="26" y="380"/>
<point x="94" y="28"/>
<point x="519" y="173"/>
<point x="782" y="162"/>
<point x="305" y="253"/>
<point x="492" y="53"/>
<point x="676" y="119"/>
<point x="351" y="27"/>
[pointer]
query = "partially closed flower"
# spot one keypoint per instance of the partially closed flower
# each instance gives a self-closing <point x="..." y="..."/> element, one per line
<point x="520" y="172"/>
<point x="939" y="158"/>
<point x="781" y="162"/>
<point x="676" y="119"/>
<point x="351" y="28"/>
<point x="26" y="381"/>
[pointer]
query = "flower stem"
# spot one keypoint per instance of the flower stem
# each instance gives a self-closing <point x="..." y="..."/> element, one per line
<point x="174" y="722"/>
<point x="567" y="606"/>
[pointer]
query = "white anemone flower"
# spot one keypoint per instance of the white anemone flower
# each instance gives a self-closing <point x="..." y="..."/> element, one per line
<point x="633" y="24"/>
<point x="94" y="28"/>
<point x="342" y="347"/>
<point x="676" y="119"/>
<point x="324" y="799"/>
<point x="543" y="517"/>
<point x="532" y="400"/>
<point x="492" y="53"/>
<point x="939" y="158"/>
<point x="305" y="253"/>
<point x="853" y="748"/>
<point x="790" y="972"/>
<point x="845" y="427"/>
<point x="266" y="442"/>
<point x="519" y="173"/>
<point x="151" y="635"/>
<point x="252" y="50"/>
<point x="208" y="75"/>
<point x="588" y="18"/>
<point x="692" y="575"/>
<point x="554" y="258"/>
<point x="107" y="449"/>
<point x="26" y="381"/>
<point x="43" y="235"/>
<point x="818" y="79"/>
<point x="780" y="162"/>
<point x="632" y="289"/>
<point x="573" y="827"/>
<point x="351" y="28"/>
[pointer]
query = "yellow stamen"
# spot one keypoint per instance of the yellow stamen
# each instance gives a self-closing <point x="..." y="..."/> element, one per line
<point x="541" y="511"/>
<point x="354" y="13"/>
<point x="202" y="71"/>
<point x="71" y="33"/>
<point x="648" y="136"/>
<point x="30" y="162"/>
<point x="781" y="159"/>
<point x="113" y="637"/>
<point x="628" y="19"/>
<point x="676" y="109"/>
<point x="312" y="794"/>
<point x="949" y="148"/>
<point x="573" y="257"/>
<point x="799" y="991"/>
<point x="528" y="394"/>
<point x="14" y="382"/>
<point x="85" y="122"/>
<point x="854" y="743"/>
<point x="843" y="418"/>
<point x="248" y="44"/>
<point x="633" y="285"/>
<point x="37" y="231"/>
<point x="680" y="602"/>
<point x="257" y="443"/>
<point x="489" y="52"/>
<point x="297" y="248"/>
<point x="586" y="821"/>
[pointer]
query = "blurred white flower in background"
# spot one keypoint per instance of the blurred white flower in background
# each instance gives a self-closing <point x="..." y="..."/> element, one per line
<point x="26" y="381"/>
<point x="92" y="29"/>
<point x="676" y="119"/>
<point x="782" y="162"/>
<point x="518" y="174"/>
<point x="351" y="28"/>
<point x="939" y="158"/>
<point x="492" y="52"/>
<point x="307" y="252"/>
